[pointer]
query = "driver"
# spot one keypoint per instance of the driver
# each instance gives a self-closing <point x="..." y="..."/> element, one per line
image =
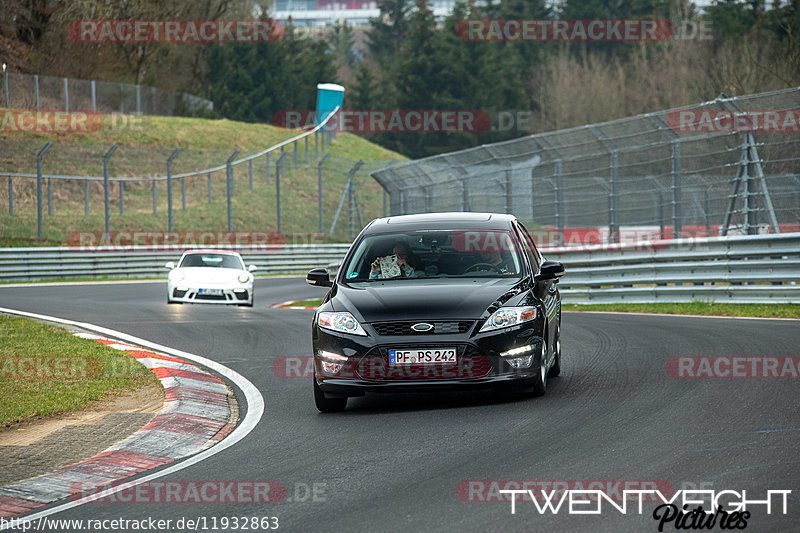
<point x="494" y="258"/>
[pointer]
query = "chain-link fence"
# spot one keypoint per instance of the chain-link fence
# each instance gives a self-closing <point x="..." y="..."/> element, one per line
<point x="46" y="93"/>
<point x="727" y="166"/>
<point x="55" y="191"/>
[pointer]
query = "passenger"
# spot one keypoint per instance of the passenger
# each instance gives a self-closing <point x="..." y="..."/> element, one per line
<point x="406" y="260"/>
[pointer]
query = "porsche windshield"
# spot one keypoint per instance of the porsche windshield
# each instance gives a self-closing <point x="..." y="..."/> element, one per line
<point x="211" y="260"/>
<point x="434" y="254"/>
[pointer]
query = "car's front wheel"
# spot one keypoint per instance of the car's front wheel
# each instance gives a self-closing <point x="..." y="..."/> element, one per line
<point x="327" y="405"/>
<point x="540" y="382"/>
<point x="555" y="370"/>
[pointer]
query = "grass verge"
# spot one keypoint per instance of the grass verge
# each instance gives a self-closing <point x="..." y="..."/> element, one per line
<point x="697" y="308"/>
<point x="45" y="370"/>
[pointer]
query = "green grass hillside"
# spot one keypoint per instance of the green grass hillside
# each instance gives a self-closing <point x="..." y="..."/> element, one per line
<point x="143" y="152"/>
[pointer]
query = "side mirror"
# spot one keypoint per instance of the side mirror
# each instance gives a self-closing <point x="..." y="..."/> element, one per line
<point x="252" y="268"/>
<point x="550" y="270"/>
<point x="319" y="277"/>
<point x="170" y="265"/>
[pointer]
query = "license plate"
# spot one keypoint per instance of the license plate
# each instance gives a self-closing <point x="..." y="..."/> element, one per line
<point x="211" y="292"/>
<point x="422" y="357"/>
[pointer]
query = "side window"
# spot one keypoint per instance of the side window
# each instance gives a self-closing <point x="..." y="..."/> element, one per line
<point x="530" y="248"/>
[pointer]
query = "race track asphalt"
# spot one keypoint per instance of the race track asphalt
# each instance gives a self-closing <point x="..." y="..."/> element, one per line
<point x="396" y="462"/>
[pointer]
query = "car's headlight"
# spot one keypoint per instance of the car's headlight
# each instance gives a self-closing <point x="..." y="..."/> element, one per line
<point x="342" y="322"/>
<point x="244" y="277"/>
<point x="509" y="316"/>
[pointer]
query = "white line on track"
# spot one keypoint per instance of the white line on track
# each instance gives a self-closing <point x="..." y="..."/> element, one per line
<point x="253" y="398"/>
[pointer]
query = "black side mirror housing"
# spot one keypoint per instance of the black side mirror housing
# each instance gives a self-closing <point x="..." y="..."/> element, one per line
<point x="319" y="277"/>
<point x="551" y="270"/>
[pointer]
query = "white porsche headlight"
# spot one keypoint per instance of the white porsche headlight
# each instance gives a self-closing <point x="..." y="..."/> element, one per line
<point x="341" y="322"/>
<point x="509" y="316"/>
<point x="244" y="277"/>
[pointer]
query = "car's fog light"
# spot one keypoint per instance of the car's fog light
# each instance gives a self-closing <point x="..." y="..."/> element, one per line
<point x="331" y="362"/>
<point x="331" y="368"/>
<point x="519" y="357"/>
<point x="184" y="289"/>
<point x="520" y="362"/>
<point x="239" y="290"/>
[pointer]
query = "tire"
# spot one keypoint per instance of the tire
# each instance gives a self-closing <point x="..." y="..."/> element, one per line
<point x="327" y="405"/>
<point x="540" y="383"/>
<point x="555" y="370"/>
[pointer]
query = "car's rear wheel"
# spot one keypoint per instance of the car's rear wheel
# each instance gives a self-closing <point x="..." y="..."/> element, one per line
<point x="327" y="405"/>
<point x="556" y="368"/>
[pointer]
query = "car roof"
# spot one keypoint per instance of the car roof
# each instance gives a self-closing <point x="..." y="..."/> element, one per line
<point x="443" y="221"/>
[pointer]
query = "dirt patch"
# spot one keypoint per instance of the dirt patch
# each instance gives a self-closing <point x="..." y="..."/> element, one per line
<point x="148" y="399"/>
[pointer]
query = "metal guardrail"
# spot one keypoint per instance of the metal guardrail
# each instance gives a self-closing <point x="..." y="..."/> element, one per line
<point x="37" y="264"/>
<point x="739" y="269"/>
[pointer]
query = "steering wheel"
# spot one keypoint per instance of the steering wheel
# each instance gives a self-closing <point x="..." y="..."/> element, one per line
<point x="491" y="267"/>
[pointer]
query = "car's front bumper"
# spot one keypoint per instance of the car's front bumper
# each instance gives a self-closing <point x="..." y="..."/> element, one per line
<point x="184" y="293"/>
<point x="363" y="362"/>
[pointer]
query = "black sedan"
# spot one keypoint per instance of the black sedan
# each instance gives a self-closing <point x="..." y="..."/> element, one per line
<point x="437" y="301"/>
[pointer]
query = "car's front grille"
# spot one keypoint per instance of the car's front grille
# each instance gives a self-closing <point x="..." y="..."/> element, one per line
<point x="375" y="366"/>
<point x="404" y="328"/>
<point x="210" y="297"/>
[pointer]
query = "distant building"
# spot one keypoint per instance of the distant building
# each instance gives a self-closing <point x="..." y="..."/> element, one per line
<point x="325" y="13"/>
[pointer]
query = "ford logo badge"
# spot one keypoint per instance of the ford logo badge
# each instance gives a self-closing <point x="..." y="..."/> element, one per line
<point x="422" y="326"/>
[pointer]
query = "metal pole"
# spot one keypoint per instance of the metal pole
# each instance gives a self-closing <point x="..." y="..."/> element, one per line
<point x="49" y="197"/>
<point x="36" y="90"/>
<point x="677" y="222"/>
<point x="350" y="224"/>
<point x="708" y="212"/>
<point x="210" y="190"/>
<point x="613" y="228"/>
<point x="106" y="199"/>
<point x="138" y="99"/>
<point x="319" y="189"/>
<point x="250" y="172"/>
<point x="229" y="189"/>
<point x="661" y="221"/>
<point x="278" y="171"/>
<point x="11" y="196"/>
<point x="85" y="197"/>
<point x="121" y="198"/>
<point x="155" y="198"/>
<point x="350" y="175"/>
<point x="66" y="95"/>
<point x="94" y="97"/>
<point x="39" y="187"/>
<point x="295" y="154"/>
<point x="324" y="135"/>
<point x="560" y="218"/>
<point x="169" y="188"/>
<point x="465" y="195"/>
<point x="5" y="89"/>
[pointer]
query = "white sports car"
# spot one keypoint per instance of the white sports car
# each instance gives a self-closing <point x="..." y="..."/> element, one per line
<point x="210" y="276"/>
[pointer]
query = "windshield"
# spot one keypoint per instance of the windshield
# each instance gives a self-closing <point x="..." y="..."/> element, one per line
<point x="212" y="260"/>
<point x="434" y="254"/>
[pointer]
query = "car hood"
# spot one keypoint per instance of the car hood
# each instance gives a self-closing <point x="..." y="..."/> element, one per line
<point x="422" y="300"/>
<point x="209" y="275"/>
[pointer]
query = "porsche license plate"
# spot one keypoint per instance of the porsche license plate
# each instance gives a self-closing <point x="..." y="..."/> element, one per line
<point x="211" y="292"/>
<point x="422" y="357"/>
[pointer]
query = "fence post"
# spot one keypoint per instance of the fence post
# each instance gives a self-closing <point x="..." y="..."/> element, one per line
<point x="39" y="187"/>
<point x="5" y="86"/>
<point x="708" y="211"/>
<point x="278" y="171"/>
<point x="677" y="222"/>
<point x="613" y="231"/>
<point x="106" y="198"/>
<point x="250" y="172"/>
<point x="11" y="196"/>
<point x="121" y="197"/>
<point x="66" y="95"/>
<point x="324" y="135"/>
<point x="319" y="187"/>
<point x="295" y="154"/>
<point x="306" y="140"/>
<point x="138" y="99"/>
<point x="346" y="192"/>
<point x="229" y="189"/>
<point x="49" y="197"/>
<point x="169" y="188"/>
<point x="36" y="90"/>
<point x="85" y="197"/>
<point x="210" y="190"/>
<point x="94" y="96"/>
